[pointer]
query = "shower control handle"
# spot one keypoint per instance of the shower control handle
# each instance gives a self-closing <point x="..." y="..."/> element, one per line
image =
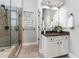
<point x="17" y="28"/>
<point x="6" y="27"/>
<point x="23" y="29"/>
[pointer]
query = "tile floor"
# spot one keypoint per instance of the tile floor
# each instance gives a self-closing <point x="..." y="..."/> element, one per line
<point x="32" y="52"/>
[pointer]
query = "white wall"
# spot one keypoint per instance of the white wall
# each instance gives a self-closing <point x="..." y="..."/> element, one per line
<point x="29" y="5"/>
<point x="73" y="5"/>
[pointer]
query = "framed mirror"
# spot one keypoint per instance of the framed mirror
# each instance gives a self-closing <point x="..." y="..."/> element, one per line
<point x="47" y="18"/>
<point x="57" y="17"/>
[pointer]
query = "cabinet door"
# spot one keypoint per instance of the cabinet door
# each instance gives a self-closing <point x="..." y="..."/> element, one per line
<point x="64" y="45"/>
<point x="53" y="49"/>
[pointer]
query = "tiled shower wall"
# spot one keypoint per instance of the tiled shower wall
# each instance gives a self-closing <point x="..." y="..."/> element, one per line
<point x="14" y="22"/>
<point x="4" y="34"/>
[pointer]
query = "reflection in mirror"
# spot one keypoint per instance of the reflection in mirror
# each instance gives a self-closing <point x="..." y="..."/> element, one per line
<point x="57" y="17"/>
<point x="48" y="18"/>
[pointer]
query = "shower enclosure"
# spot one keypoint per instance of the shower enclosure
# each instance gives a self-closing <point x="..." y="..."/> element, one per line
<point x="9" y="24"/>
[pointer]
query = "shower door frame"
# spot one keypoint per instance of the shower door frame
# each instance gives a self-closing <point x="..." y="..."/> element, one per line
<point x="20" y="34"/>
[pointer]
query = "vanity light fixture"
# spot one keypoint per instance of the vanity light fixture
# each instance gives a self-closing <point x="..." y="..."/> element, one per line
<point x="52" y="3"/>
<point x="55" y="8"/>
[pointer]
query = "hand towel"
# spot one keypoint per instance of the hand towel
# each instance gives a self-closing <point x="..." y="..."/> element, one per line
<point x="70" y="21"/>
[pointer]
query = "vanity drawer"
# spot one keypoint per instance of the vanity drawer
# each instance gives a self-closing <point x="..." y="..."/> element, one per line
<point x="50" y="39"/>
<point x="56" y="38"/>
<point x="66" y="37"/>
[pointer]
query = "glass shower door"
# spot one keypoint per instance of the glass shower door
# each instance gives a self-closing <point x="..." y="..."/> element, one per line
<point x="16" y="12"/>
<point x="5" y="24"/>
<point x="10" y="10"/>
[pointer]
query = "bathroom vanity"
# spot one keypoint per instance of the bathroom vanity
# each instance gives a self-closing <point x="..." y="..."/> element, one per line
<point x="55" y="44"/>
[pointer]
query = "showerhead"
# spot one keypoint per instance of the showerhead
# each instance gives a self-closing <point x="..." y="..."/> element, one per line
<point x="3" y="6"/>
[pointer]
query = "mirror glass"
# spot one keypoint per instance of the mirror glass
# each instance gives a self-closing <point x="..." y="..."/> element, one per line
<point x="48" y="18"/>
<point x="57" y="17"/>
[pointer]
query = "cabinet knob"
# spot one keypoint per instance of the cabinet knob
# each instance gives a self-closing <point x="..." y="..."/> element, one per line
<point x="66" y="37"/>
<point x="60" y="42"/>
<point x="57" y="42"/>
<point x="51" y="39"/>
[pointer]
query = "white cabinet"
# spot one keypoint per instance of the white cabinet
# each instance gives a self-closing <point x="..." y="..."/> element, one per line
<point x="52" y="49"/>
<point x="54" y="46"/>
<point x="64" y="45"/>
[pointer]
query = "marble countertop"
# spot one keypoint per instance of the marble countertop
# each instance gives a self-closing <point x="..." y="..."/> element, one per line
<point x="51" y="33"/>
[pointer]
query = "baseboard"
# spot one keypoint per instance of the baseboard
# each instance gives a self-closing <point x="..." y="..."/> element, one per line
<point x="31" y="43"/>
<point x="72" y="55"/>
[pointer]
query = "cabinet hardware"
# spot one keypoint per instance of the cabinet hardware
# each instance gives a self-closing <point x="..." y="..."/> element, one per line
<point x="60" y="42"/>
<point x="51" y="39"/>
<point x="57" y="42"/>
<point x="66" y="37"/>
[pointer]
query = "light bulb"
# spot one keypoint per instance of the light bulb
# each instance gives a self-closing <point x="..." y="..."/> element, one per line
<point x="55" y="8"/>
